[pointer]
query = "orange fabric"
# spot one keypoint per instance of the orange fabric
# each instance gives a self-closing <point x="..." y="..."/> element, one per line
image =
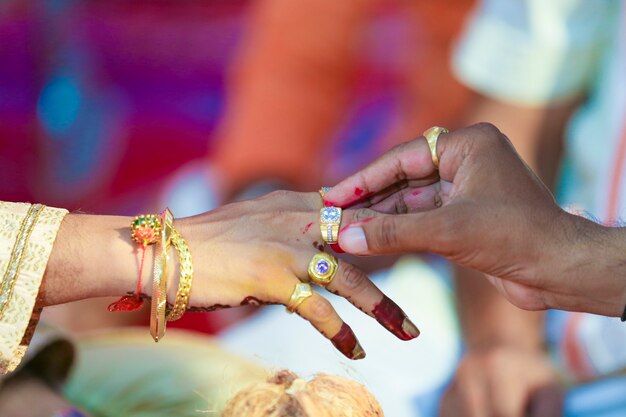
<point x="290" y="88"/>
<point x="292" y="83"/>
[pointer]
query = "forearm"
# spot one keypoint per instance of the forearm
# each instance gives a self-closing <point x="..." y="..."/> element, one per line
<point x="92" y="256"/>
<point x="488" y="319"/>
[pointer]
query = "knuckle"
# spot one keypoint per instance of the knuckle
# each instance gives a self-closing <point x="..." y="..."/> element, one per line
<point x="401" y="147"/>
<point x="387" y="233"/>
<point x="361" y="214"/>
<point x="352" y="278"/>
<point x="279" y="195"/>
<point x="488" y="129"/>
<point x="321" y="309"/>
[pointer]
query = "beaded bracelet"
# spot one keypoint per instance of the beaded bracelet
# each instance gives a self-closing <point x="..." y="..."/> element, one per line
<point x="186" y="276"/>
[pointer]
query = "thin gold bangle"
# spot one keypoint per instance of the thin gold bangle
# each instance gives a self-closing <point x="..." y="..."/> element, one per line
<point x="159" y="281"/>
<point x="186" y="276"/>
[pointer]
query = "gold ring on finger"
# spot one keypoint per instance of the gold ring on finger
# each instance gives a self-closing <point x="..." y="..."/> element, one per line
<point x="322" y="269"/>
<point x="300" y="293"/>
<point x="324" y="190"/>
<point x="432" y="135"/>
<point x="330" y="221"/>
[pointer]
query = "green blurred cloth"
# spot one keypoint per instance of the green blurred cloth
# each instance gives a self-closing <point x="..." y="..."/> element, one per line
<point x="125" y="373"/>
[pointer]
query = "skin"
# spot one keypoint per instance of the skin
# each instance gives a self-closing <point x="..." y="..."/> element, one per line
<point x="16" y="398"/>
<point x="486" y="210"/>
<point x="251" y="252"/>
<point x="491" y="325"/>
<point x="534" y="392"/>
<point x="543" y="258"/>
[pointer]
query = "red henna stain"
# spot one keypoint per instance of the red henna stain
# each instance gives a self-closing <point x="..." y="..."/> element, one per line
<point x="318" y="246"/>
<point x="416" y="193"/>
<point x="328" y="203"/>
<point x="345" y="341"/>
<point x="354" y="200"/>
<point x="307" y="227"/>
<point x="358" y="191"/>
<point x="337" y="248"/>
<point x="208" y="309"/>
<point x="253" y="301"/>
<point x="391" y="316"/>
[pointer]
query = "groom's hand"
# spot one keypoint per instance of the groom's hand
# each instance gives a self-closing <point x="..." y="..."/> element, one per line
<point x="481" y="192"/>
<point x="486" y="210"/>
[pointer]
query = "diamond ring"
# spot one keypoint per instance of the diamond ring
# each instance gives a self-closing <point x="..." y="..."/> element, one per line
<point x="330" y="220"/>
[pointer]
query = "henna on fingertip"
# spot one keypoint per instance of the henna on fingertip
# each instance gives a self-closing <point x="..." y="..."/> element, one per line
<point x="391" y="316"/>
<point x="346" y="342"/>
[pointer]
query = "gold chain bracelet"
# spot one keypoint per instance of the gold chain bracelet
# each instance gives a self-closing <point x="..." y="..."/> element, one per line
<point x="181" y="302"/>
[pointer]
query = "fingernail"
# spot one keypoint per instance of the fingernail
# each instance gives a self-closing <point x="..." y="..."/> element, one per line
<point x="391" y="316"/>
<point x="358" y="352"/>
<point x="410" y="328"/>
<point x="337" y="248"/>
<point x="352" y="240"/>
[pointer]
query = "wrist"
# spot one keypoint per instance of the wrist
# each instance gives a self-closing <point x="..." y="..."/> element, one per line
<point x="93" y="256"/>
<point x="593" y="275"/>
<point x="529" y="339"/>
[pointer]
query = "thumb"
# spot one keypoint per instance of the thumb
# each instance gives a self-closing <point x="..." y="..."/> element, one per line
<point x="430" y="231"/>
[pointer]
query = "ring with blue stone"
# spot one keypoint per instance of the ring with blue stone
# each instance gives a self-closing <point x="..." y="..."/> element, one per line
<point x="330" y="220"/>
<point x="322" y="269"/>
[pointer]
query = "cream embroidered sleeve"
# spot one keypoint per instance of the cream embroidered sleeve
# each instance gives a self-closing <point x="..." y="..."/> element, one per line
<point x="27" y="233"/>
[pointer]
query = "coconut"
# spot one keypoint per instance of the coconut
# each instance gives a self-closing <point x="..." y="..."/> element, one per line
<point x="286" y="395"/>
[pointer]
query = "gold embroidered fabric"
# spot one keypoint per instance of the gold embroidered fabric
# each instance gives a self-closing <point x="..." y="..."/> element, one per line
<point x="27" y="234"/>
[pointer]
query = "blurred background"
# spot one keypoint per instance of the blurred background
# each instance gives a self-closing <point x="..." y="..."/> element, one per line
<point x="124" y="107"/>
<point x="118" y="107"/>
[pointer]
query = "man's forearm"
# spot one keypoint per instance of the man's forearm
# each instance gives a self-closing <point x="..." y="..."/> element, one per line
<point x="488" y="319"/>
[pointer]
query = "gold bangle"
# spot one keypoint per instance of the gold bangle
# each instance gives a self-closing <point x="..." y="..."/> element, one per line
<point x="186" y="276"/>
<point x="159" y="281"/>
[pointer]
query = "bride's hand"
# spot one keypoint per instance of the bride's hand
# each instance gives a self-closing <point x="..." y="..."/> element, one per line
<point x="256" y="251"/>
<point x="252" y="252"/>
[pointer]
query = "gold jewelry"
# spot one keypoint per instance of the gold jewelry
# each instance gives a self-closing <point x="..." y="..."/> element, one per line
<point x="300" y="293"/>
<point x="159" y="280"/>
<point x="324" y="190"/>
<point x="322" y="269"/>
<point x="186" y="276"/>
<point x="432" y="135"/>
<point x="330" y="220"/>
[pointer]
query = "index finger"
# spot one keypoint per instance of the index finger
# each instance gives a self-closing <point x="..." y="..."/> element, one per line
<point x="409" y="160"/>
